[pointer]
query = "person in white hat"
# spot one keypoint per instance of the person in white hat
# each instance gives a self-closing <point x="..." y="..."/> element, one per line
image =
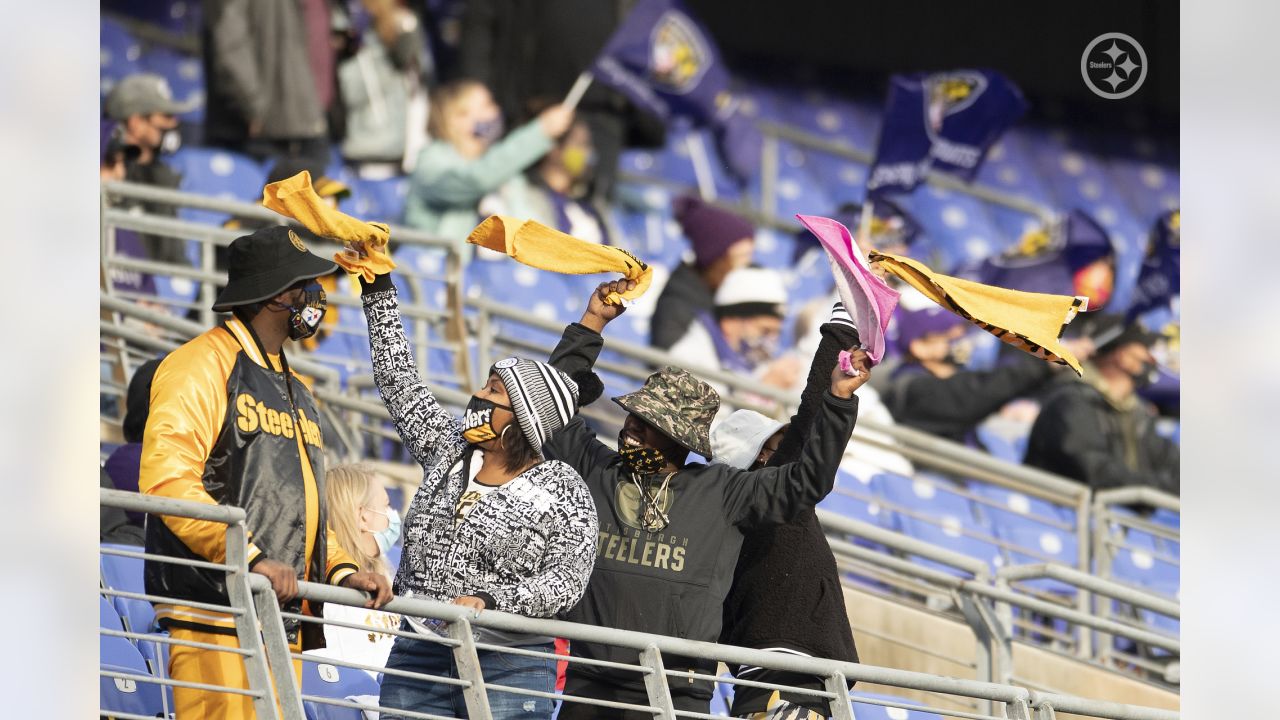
<point x="741" y="334"/>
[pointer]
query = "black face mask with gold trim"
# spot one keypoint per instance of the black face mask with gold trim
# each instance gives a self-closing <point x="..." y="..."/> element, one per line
<point x="477" y="421"/>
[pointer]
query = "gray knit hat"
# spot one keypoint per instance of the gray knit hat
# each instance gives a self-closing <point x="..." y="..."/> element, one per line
<point x="543" y="399"/>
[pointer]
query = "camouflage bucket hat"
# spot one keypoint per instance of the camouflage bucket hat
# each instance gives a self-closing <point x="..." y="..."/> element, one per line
<point x="678" y="404"/>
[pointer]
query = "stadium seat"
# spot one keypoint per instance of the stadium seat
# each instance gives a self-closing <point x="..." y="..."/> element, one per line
<point x="121" y="573"/>
<point x="929" y="494"/>
<point x="866" y="711"/>
<point x="1139" y="565"/>
<point x="1054" y="544"/>
<point x="124" y="695"/>
<point x="219" y="173"/>
<point x="107" y="616"/>
<point x="332" y="681"/>
<point x="119" y="54"/>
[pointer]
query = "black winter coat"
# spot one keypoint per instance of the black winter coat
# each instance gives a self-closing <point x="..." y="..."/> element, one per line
<point x="786" y="589"/>
<point x="1079" y="434"/>
<point x="674" y="582"/>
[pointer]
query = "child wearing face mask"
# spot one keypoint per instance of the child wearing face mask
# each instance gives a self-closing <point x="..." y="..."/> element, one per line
<point x="556" y="190"/>
<point x="468" y="157"/>
<point x="366" y="526"/>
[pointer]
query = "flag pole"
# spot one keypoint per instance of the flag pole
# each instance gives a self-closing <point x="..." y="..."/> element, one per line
<point x="701" y="165"/>
<point x="864" y="227"/>
<point x="578" y="90"/>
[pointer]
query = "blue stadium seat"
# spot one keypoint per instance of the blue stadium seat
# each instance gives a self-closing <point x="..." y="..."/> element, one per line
<point x="107" y="616"/>
<point x="1140" y="566"/>
<point x="929" y="494"/>
<point x="121" y="573"/>
<point x="1059" y="545"/>
<point x="378" y="200"/>
<point x="120" y="695"/>
<point x="119" y="54"/>
<point x="865" y="711"/>
<point x="124" y="573"/>
<point x="1015" y="506"/>
<point x="332" y="681"/>
<point x="220" y="173"/>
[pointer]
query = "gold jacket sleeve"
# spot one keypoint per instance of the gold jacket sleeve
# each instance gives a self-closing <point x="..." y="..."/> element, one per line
<point x="188" y="405"/>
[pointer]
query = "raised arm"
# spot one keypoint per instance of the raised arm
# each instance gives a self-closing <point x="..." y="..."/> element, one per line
<point x="837" y="333"/>
<point x="464" y="183"/>
<point x="566" y="566"/>
<point x="774" y="495"/>
<point x="427" y="430"/>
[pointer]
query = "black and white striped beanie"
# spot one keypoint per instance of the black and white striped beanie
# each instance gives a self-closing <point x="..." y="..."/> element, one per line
<point x="542" y="398"/>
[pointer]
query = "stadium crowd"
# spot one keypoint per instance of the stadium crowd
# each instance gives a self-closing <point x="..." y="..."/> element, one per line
<point x="484" y="131"/>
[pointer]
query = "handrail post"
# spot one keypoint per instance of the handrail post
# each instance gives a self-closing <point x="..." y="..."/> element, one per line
<point x="279" y="653"/>
<point x="1018" y="710"/>
<point x="841" y="704"/>
<point x="655" y="683"/>
<point x="456" y="328"/>
<point x="1084" y="554"/>
<point x="206" y="289"/>
<point x="257" y="668"/>
<point x="468" y="662"/>
<point x="991" y="653"/>
<point x="1044" y="711"/>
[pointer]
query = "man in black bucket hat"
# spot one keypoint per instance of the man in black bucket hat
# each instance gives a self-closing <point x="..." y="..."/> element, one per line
<point x="231" y="425"/>
<point x="670" y="530"/>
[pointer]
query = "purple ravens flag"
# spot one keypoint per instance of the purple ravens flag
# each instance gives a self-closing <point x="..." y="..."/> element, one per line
<point x="942" y="121"/>
<point x="1072" y="255"/>
<point x="1159" y="280"/>
<point x="665" y="62"/>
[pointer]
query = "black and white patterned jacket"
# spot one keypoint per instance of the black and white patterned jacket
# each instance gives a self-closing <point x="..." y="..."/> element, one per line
<point x="529" y="545"/>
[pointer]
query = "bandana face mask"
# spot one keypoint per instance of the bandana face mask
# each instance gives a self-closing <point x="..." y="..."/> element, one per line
<point x="640" y="461"/>
<point x="304" y="319"/>
<point x="477" y="421"/>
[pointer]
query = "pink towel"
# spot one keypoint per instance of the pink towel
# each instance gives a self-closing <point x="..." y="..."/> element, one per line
<point x="868" y="300"/>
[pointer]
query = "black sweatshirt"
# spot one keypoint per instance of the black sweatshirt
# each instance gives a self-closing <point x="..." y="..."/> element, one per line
<point x="673" y="582"/>
<point x="954" y="407"/>
<point x="1080" y="435"/>
<point x="786" y="590"/>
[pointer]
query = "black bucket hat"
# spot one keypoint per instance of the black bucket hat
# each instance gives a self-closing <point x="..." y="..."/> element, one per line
<point x="266" y="263"/>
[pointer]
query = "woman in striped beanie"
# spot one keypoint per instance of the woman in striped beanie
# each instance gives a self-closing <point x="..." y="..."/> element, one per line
<point x="494" y="524"/>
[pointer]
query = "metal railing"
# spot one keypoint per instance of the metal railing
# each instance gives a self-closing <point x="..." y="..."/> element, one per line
<point x="483" y="319"/>
<point x="260" y="632"/>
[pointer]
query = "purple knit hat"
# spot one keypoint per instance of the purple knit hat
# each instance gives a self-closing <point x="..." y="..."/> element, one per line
<point x="710" y="230"/>
<point x="915" y="324"/>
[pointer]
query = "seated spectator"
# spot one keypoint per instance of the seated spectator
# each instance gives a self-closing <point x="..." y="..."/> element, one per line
<point x="496" y="523"/>
<point x="123" y="464"/>
<point x="366" y="526"/>
<point x="146" y="127"/>
<point x="554" y="192"/>
<point x="114" y="524"/>
<point x="466" y="159"/>
<point x="671" y="529"/>
<point x="740" y="334"/>
<point x="1097" y="430"/>
<point x="931" y="391"/>
<point x="268" y="68"/>
<point x="722" y="242"/>
<point x="384" y="87"/>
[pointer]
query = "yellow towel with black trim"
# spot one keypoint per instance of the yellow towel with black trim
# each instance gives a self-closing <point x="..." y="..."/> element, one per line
<point x="1032" y="322"/>
<point x="295" y="198"/>
<point x="537" y="245"/>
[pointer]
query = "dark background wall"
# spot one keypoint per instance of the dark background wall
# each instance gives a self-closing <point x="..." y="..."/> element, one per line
<point x="1036" y="43"/>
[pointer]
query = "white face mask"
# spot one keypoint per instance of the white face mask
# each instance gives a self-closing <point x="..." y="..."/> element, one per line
<point x="170" y="141"/>
<point x="388" y="535"/>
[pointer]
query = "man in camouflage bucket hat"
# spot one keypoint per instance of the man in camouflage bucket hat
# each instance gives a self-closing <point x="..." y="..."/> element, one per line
<point x="670" y="529"/>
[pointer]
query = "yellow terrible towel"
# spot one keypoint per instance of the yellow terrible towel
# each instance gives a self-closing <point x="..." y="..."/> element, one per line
<point x="295" y="198"/>
<point x="537" y="245"/>
<point x="1032" y="322"/>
